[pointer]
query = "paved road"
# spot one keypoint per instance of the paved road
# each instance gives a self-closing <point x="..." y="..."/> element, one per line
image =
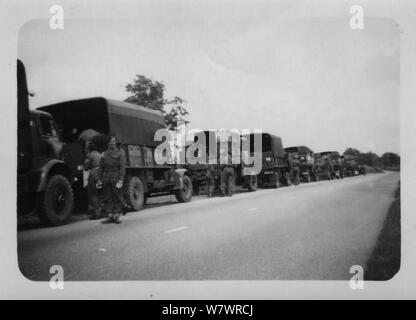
<point x="315" y="231"/>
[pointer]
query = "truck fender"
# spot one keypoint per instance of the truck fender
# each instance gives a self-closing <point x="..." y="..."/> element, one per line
<point x="179" y="173"/>
<point x="46" y="169"/>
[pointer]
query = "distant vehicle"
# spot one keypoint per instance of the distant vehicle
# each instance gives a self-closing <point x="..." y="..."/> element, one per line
<point x="45" y="180"/>
<point x="337" y="170"/>
<point x="305" y="155"/>
<point x="351" y="165"/>
<point x="198" y="172"/>
<point x="275" y="166"/>
<point x="135" y="128"/>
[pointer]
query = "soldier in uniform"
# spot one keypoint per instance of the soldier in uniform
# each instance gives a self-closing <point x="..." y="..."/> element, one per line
<point x="92" y="163"/>
<point x="328" y="166"/>
<point x="111" y="177"/>
<point x="210" y="176"/>
<point x="227" y="174"/>
<point x="296" y="170"/>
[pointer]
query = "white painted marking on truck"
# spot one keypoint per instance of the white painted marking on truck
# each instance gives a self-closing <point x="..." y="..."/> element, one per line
<point x="176" y="229"/>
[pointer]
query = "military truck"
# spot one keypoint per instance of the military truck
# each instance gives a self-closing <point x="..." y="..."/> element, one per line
<point x="45" y="181"/>
<point x="337" y="170"/>
<point x="198" y="171"/>
<point x="351" y="165"/>
<point x="275" y="170"/>
<point x="134" y="127"/>
<point x="308" y="171"/>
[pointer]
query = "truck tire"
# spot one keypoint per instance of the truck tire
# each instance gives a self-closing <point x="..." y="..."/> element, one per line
<point x="185" y="194"/>
<point x="135" y="196"/>
<point x="56" y="204"/>
<point x="252" y="183"/>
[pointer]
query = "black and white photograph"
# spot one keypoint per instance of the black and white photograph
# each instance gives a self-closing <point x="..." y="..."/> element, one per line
<point x="194" y="143"/>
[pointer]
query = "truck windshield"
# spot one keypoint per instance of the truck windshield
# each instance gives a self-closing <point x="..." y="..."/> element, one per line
<point x="47" y="127"/>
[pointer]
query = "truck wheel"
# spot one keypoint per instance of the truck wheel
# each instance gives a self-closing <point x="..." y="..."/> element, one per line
<point x="55" y="205"/>
<point x="185" y="194"/>
<point x="252" y="183"/>
<point x="135" y="193"/>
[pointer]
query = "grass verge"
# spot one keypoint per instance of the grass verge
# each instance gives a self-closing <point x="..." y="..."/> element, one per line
<point x="384" y="262"/>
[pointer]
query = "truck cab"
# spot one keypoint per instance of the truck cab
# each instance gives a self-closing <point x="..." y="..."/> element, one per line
<point x="44" y="180"/>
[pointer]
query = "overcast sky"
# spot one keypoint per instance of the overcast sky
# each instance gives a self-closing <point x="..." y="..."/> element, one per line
<point x="314" y="82"/>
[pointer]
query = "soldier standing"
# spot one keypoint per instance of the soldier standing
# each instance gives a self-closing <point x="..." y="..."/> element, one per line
<point x="111" y="177"/>
<point x="210" y="176"/>
<point x="329" y="167"/>
<point x="227" y="174"/>
<point x="296" y="170"/>
<point x="92" y="163"/>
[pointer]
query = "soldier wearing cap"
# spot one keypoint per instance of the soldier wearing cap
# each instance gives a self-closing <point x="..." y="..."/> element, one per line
<point x="227" y="173"/>
<point x="92" y="163"/>
<point x="296" y="169"/>
<point x="111" y="177"/>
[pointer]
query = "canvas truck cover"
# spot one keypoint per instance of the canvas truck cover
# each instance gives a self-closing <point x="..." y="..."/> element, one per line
<point x="131" y="124"/>
<point x="332" y="154"/>
<point x="298" y="149"/>
<point x="269" y="143"/>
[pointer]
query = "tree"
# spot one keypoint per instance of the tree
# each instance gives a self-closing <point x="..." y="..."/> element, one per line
<point x="150" y="94"/>
<point x="390" y="159"/>
<point x="370" y="158"/>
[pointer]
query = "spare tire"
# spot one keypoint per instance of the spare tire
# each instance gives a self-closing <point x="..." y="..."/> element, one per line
<point x="135" y="196"/>
<point x="56" y="204"/>
<point x="185" y="194"/>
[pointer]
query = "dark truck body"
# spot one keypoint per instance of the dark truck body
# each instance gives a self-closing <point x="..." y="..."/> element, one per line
<point x="351" y="165"/>
<point x="308" y="171"/>
<point x="198" y="172"/>
<point x="45" y="181"/>
<point x="275" y="167"/>
<point x="134" y="127"/>
<point x="337" y="168"/>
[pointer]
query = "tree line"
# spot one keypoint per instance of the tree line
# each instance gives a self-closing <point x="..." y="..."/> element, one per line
<point x="387" y="160"/>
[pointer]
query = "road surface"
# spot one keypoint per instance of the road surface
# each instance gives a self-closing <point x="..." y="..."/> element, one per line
<point x="314" y="231"/>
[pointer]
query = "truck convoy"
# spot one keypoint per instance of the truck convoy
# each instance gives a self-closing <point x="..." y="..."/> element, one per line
<point x="51" y="154"/>
<point x="198" y="171"/>
<point x="308" y="171"/>
<point x="50" y="157"/>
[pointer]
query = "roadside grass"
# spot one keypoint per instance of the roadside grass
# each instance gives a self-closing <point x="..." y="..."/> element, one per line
<point x="384" y="262"/>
